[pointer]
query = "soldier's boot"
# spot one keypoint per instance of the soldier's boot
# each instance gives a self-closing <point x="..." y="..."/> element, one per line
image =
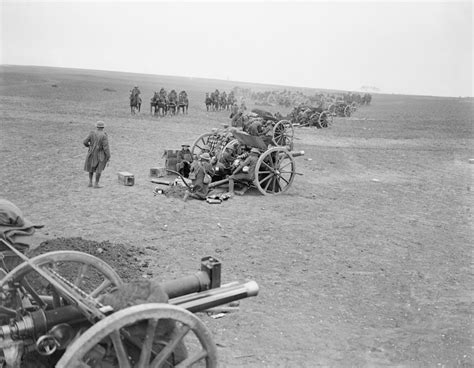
<point x="97" y="178"/>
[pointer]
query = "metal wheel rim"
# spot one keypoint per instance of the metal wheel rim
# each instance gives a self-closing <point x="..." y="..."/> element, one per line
<point x="275" y="171"/>
<point x="111" y="278"/>
<point x="232" y="143"/>
<point x="324" y="119"/>
<point x="283" y="133"/>
<point x="347" y="111"/>
<point x="110" y="327"/>
<point x="199" y="143"/>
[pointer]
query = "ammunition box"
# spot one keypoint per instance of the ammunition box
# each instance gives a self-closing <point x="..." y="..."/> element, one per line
<point x="126" y="178"/>
<point x="158" y="172"/>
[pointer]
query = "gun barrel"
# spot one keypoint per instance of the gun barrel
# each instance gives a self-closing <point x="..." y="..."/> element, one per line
<point x="186" y="285"/>
<point x="199" y="302"/>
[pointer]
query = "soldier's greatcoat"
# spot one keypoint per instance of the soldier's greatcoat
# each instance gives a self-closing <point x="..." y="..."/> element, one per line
<point x="99" y="152"/>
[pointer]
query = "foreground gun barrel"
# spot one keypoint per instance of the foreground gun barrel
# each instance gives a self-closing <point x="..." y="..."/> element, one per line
<point x="186" y="285"/>
<point x="199" y="302"/>
<point x="37" y="323"/>
<point x="208" y="278"/>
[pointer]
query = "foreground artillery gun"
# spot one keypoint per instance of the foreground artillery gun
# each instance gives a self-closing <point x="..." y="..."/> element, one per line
<point x="49" y="309"/>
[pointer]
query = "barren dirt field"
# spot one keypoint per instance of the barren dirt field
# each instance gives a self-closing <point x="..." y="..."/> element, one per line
<point x="365" y="262"/>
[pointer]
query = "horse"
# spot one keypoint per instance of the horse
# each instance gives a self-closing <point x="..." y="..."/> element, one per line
<point x="223" y="102"/>
<point x="230" y="101"/>
<point x="208" y="102"/>
<point x="215" y="101"/>
<point x="135" y="103"/>
<point x="160" y="104"/>
<point x="172" y="106"/>
<point x="183" y="103"/>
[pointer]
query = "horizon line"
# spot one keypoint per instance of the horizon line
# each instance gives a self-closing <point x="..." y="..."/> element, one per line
<point x="234" y="81"/>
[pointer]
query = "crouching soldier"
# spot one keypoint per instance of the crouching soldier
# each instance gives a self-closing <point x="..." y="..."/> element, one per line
<point x="223" y="166"/>
<point x="245" y="171"/>
<point x="201" y="176"/>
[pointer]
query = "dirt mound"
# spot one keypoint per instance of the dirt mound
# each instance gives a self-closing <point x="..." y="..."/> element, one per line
<point x="125" y="260"/>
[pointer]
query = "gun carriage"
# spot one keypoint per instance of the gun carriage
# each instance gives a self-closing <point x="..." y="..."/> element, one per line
<point x="54" y="305"/>
<point x="276" y="166"/>
<point x="282" y="134"/>
<point x="342" y="109"/>
<point x="307" y="116"/>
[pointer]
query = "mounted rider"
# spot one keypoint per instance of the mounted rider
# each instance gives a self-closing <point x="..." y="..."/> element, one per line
<point x="163" y="93"/>
<point x="155" y="98"/>
<point x="183" y="98"/>
<point x="172" y="96"/>
<point x="135" y="92"/>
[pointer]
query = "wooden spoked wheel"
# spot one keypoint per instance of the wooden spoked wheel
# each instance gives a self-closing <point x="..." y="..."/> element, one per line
<point x="144" y="336"/>
<point x="77" y="270"/>
<point x="233" y="143"/>
<point x="200" y="142"/>
<point x="275" y="171"/>
<point x="283" y="133"/>
<point x="325" y="118"/>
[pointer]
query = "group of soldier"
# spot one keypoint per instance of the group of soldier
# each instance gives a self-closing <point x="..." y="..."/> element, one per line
<point x="165" y="103"/>
<point x="216" y="101"/>
<point x="234" y="163"/>
<point x="162" y="103"/>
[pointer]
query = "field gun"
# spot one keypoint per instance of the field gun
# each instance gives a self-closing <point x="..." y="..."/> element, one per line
<point x="275" y="169"/>
<point x="64" y="320"/>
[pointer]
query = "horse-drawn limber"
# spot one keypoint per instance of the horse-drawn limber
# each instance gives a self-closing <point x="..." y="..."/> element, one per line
<point x="276" y="167"/>
<point x="56" y="307"/>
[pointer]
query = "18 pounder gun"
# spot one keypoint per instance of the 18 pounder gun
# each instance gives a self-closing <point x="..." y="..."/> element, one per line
<point x="59" y="315"/>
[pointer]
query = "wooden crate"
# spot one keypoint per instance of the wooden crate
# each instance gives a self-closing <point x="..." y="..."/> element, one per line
<point x="126" y="178"/>
<point x="158" y="172"/>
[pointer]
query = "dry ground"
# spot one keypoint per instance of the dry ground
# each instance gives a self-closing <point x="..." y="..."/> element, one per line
<point x="366" y="262"/>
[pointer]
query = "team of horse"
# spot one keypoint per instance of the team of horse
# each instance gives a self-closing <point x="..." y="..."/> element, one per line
<point x="172" y="103"/>
<point x="163" y="103"/>
<point x="216" y="101"/>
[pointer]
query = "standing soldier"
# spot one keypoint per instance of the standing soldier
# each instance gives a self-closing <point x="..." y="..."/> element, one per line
<point x="98" y="155"/>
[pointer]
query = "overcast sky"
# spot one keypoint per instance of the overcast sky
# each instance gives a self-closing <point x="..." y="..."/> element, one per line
<point x="399" y="47"/>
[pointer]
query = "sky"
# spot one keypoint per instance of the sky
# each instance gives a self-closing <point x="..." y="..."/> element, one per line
<point x="406" y="47"/>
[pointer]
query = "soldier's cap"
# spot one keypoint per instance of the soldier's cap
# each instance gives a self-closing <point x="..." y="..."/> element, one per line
<point x="100" y="124"/>
<point x="206" y="147"/>
<point x="185" y="145"/>
<point x="255" y="150"/>
<point x="205" y="156"/>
